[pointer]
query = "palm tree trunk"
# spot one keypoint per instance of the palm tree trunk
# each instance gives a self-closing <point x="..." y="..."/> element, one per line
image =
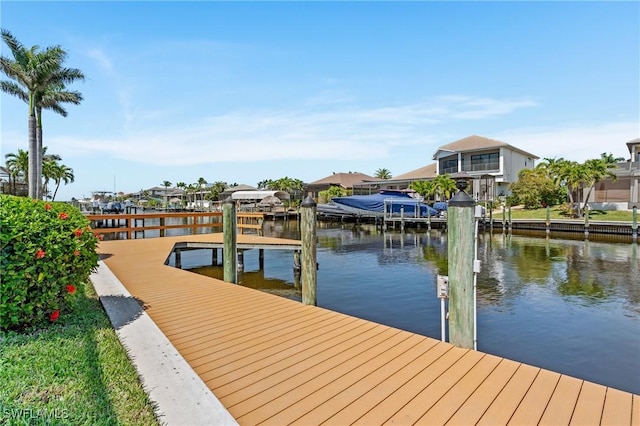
<point x="56" y="191"/>
<point x="32" y="178"/>
<point x="39" y="150"/>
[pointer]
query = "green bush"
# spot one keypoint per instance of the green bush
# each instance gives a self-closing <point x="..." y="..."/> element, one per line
<point x="48" y="253"/>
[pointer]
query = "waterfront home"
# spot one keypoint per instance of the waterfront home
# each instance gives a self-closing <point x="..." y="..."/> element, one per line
<point x="345" y="181"/>
<point x="493" y="165"/>
<point x="623" y="193"/>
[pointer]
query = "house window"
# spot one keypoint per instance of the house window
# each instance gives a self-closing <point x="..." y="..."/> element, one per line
<point x="481" y="162"/>
<point x="449" y="165"/>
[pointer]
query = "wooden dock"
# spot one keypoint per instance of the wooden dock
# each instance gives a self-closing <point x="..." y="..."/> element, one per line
<point x="274" y="361"/>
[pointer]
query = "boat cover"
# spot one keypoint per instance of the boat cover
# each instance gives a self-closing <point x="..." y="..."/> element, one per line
<point x="375" y="203"/>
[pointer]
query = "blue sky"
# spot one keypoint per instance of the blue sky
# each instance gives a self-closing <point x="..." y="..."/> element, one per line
<point x="245" y="91"/>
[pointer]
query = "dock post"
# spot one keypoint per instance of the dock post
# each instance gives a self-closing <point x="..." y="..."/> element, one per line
<point x="241" y="260"/>
<point x="634" y="224"/>
<point x="460" y="247"/>
<point x="308" y="255"/>
<point x="586" y="222"/>
<point x="162" y="226"/>
<point x="178" y="262"/>
<point x="229" y="230"/>
<point x="510" y="221"/>
<point x="402" y="218"/>
<point x="504" y="221"/>
<point x="261" y="259"/>
<point x="214" y="256"/>
<point x="296" y="261"/>
<point x="491" y="217"/>
<point x="548" y="221"/>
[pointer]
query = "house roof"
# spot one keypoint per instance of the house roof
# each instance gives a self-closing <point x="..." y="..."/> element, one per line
<point x="259" y="195"/>
<point x="345" y="180"/>
<point x="426" y="172"/>
<point x="241" y="187"/>
<point x="633" y="142"/>
<point x="475" y="142"/>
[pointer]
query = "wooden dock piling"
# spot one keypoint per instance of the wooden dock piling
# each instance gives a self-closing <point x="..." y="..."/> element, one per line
<point x="308" y="256"/>
<point x="461" y="241"/>
<point x="229" y="231"/>
<point x="548" y="220"/>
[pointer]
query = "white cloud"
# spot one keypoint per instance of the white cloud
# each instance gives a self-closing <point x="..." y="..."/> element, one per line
<point x="101" y="58"/>
<point x="348" y="132"/>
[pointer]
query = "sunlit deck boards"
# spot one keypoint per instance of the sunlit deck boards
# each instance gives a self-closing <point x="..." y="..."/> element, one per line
<point x="271" y="360"/>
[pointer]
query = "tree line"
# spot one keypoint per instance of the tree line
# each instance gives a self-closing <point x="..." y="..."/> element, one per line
<point x="557" y="181"/>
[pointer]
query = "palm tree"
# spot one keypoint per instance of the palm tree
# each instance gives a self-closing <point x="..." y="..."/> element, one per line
<point x="426" y="188"/>
<point x="444" y="186"/>
<point x="183" y="187"/>
<point x="64" y="174"/>
<point x="383" y="174"/>
<point x="574" y="176"/>
<point x="49" y="169"/>
<point x="51" y="97"/>
<point x="597" y="170"/>
<point x="37" y="75"/>
<point x="18" y="167"/>
<point x="264" y="184"/>
<point x="166" y="185"/>
<point x="216" y="189"/>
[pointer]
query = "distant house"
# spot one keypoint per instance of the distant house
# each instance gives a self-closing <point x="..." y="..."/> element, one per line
<point x="230" y="190"/>
<point x="345" y="181"/>
<point x="11" y="185"/>
<point x="492" y="164"/>
<point x="399" y="182"/>
<point x="624" y="192"/>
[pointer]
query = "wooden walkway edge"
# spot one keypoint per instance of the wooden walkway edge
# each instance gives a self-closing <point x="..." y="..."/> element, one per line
<point x="274" y="361"/>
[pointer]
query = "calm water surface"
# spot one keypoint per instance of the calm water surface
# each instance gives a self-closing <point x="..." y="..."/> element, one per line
<point x="569" y="306"/>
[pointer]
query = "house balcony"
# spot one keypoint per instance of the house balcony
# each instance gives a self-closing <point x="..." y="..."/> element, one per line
<point x="493" y="166"/>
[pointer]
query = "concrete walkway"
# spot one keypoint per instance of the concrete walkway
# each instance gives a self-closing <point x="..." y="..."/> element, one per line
<point x="178" y="394"/>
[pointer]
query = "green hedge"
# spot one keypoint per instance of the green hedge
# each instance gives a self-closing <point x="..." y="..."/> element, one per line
<point x="48" y="253"/>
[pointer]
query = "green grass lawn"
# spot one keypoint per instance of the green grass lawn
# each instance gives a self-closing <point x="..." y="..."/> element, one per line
<point x="73" y="372"/>
<point x="556" y="213"/>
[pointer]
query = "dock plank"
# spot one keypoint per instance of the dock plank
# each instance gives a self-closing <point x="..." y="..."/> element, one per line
<point x="559" y="409"/>
<point x="589" y="405"/>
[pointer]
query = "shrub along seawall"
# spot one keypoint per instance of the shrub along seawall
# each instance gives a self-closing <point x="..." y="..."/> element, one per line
<point x="48" y="253"/>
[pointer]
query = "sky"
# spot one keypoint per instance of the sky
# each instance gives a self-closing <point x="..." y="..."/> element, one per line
<point x="240" y="92"/>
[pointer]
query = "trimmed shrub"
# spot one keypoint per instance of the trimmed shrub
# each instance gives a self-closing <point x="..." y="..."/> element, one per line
<point x="48" y="253"/>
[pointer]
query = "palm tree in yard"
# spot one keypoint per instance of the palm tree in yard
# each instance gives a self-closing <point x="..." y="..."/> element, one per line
<point x="49" y="168"/>
<point x="38" y="78"/>
<point x="18" y="167"/>
<point x="183" y="187"/>
<point x="202" y="182"/>
<point x="599" y="169"/>
<point x="383" y="174"/>
<point x="62" y="174"/>
<point x="426" y="188"/>
<point x="166" y="185"/>
<point x="50" y="98"/>
<point x="444" y="186"/>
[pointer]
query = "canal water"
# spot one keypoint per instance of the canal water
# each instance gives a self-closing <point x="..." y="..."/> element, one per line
<point x="571" y="306"/>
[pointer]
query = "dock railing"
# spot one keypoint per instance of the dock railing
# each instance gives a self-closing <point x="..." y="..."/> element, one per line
<point x="131" y="224"/>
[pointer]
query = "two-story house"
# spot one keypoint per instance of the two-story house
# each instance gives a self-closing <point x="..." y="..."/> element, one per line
<point x="624" y="192"/>
<point x="493" y="165"/>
